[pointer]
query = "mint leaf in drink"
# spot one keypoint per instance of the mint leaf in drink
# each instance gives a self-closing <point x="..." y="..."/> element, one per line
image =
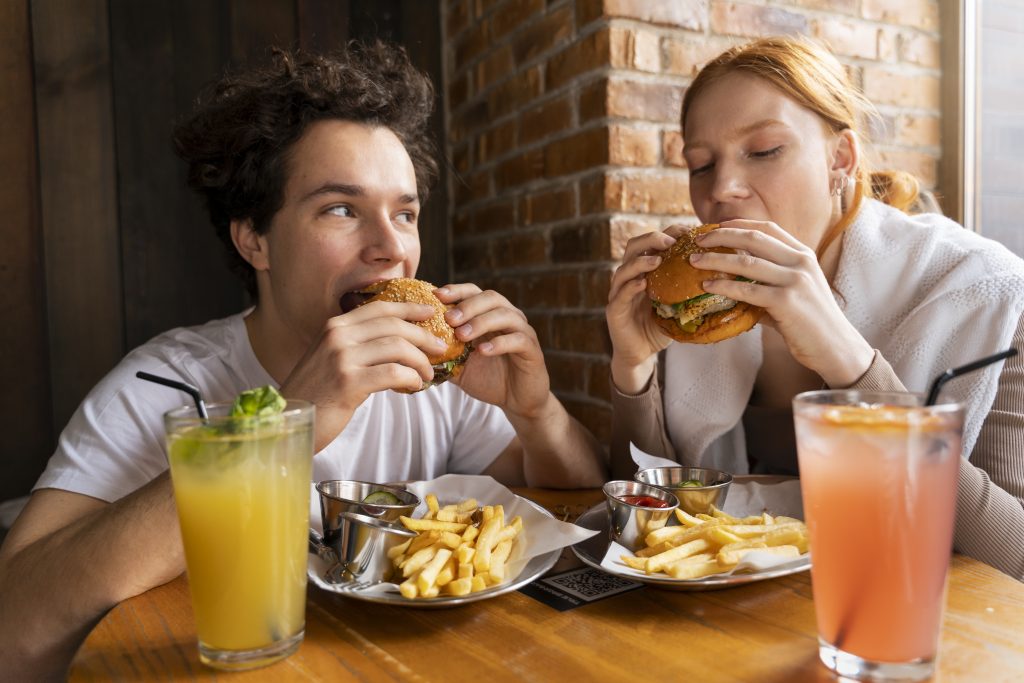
<point x="260" y="402"/>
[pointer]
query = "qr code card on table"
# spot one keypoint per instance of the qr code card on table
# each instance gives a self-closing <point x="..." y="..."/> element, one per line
<point x="577" y="587"/>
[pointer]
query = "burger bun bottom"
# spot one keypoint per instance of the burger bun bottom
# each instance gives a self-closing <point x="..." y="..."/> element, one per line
<point x="716" y="327"/>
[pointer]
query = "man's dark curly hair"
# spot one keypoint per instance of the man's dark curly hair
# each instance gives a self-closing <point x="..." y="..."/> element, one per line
<point x="237" y="140"/>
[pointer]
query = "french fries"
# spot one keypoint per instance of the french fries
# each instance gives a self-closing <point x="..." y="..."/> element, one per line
<point x="712" y="544"/>
<point x="460" y="549"/>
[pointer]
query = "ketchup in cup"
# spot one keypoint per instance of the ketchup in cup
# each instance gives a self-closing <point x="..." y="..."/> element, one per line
<point x="644" y="501"/>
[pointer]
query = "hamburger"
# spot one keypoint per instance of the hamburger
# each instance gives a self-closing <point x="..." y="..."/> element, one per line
<point x="448" y="363"/>
<point x="681" y="307"/>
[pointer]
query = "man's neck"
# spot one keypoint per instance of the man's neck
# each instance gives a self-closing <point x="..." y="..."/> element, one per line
<point x="275" y="347"/>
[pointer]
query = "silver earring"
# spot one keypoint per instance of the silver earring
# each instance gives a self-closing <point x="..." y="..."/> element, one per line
<point x="839" y="185"/>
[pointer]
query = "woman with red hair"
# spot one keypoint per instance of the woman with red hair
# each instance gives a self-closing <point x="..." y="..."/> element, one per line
<point x="857" y="293"/>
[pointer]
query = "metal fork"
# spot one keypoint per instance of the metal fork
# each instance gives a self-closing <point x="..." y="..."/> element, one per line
<point x="335" y="575"/>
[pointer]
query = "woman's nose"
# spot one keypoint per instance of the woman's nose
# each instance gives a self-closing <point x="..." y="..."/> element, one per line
<point x="728" y="183"/>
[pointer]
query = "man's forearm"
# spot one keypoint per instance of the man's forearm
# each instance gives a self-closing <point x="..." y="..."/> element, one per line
<point x="54" y="589"/>
<point x="558" y="452"/>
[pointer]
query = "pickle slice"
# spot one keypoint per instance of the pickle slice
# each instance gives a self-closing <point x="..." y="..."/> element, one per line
<point x="381" y="498"/>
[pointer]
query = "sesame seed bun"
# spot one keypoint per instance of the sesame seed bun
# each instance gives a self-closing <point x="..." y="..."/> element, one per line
<point x="676" y="281"/>
<point x="409" y="290"/>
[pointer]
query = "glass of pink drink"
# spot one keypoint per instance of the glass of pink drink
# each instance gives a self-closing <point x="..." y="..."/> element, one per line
<point x="878" y="473"/>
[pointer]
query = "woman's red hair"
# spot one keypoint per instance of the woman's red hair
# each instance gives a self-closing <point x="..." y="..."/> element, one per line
<point x="814" y="78"/>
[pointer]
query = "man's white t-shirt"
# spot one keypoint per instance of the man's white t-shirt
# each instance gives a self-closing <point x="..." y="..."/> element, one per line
<point x="114" y="443"/>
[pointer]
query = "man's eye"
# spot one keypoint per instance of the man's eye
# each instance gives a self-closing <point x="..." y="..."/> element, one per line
<point x="767" y="153"/>
<point x="407" y="217"/>
<point x="700" y="170"/>
<point x="342" y="210"/>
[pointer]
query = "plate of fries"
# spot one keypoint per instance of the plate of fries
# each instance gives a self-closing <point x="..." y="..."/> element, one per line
<point x="475" y="540"/>
<point x="707" y="551"/>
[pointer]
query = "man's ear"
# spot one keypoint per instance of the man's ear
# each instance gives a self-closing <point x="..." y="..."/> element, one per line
<point x="253" y="247"/>
<point x="845" y="154"/>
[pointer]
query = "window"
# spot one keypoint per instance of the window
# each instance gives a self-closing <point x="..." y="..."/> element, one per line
<point x="982" y="170"/>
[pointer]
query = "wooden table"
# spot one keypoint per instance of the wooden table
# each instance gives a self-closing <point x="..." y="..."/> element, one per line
<point x="761" y="632"/>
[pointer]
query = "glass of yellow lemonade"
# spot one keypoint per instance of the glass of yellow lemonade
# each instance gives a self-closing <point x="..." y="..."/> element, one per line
<point x="241" y="485"/>
<point x="878" y="473"/>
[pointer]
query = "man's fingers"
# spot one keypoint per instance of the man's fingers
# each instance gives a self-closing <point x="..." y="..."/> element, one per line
<point x="480" y="304"/>
<point x="375" y="329"/>
<point x="508" y="344"/>
<point x="383" y="309"/>
<point x="393" y="376"/>
<point x="453" y="293"/>
<point x="497" y="320"/>
<point x="389" y="351"/>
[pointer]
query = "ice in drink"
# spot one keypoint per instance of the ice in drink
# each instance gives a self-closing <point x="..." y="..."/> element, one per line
<point x="879" y="495"/>
<point x="241" y="486"/>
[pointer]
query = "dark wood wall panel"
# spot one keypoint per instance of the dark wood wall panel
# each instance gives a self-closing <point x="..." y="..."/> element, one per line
<point x="419" y="27"/>
<point x="79" y="201"/>
<point x="323" y="25"/>
<point x="174" y="275"/>
<point x="25" y="417"/>
<point x="257" y="25"/>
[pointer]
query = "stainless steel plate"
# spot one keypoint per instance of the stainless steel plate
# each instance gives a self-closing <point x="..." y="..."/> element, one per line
<point x="534" y="568"/>
<point x="592" y="550"/>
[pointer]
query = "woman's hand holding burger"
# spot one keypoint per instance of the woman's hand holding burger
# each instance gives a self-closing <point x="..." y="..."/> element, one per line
<point x="788" y="283"/>
<point x="636" y="338"/>
<point x="507" y="365"/>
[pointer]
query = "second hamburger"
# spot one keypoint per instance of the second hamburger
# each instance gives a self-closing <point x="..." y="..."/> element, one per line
<point x="682" y="308"/>
<point x="448" y="363"/>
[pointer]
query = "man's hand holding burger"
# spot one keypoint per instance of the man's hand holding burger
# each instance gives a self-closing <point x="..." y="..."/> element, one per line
<point x="507" y="369"/>
<point x="507" y="366"/>
<point x="370" y="348"/>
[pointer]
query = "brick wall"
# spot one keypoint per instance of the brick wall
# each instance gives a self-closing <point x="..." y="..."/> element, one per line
<point x="564" y="135"/>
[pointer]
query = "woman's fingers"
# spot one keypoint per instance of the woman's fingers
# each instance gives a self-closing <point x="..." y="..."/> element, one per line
<point x="760" y="237"/>
<point x="743" y="265"/>
<point x="648" y="244"/>
<point x="631" y="271"/>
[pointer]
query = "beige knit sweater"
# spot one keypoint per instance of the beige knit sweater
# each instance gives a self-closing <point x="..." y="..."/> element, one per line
<point x="990" y="498"/>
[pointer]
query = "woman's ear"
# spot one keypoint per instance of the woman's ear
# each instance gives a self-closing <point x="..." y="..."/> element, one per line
<point x="252" y="246"/>
<point x="845" y="154"/>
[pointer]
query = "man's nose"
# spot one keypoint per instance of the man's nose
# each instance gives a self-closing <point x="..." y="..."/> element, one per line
<point x="385" y="243"/>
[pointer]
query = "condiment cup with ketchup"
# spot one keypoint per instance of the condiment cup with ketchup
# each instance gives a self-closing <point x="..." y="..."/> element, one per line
<point x="635" y="510"/>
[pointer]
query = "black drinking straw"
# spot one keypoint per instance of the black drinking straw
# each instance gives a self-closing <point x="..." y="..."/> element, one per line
<point x="933" y="395"/>
<point x="183" y="386"/>
<point x="941" y="380"/>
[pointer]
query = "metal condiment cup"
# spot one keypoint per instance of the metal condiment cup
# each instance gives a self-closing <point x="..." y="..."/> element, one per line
<point x="347" y="537"/>
<point x="692" y="499"/>
<point x="362" y="545"/>
<point x="629" y="524"/>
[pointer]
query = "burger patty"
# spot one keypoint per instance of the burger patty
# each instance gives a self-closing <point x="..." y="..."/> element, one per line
<point x="444" y="370"/>
<point x="697" y="307"/>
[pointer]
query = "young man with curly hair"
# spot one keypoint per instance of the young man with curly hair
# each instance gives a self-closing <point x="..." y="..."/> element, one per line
<point x="313" y="170"/>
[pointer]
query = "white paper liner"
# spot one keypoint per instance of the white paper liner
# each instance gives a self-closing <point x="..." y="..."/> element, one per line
<point x="748" y="495"/>
<point x="540" y="535"/>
